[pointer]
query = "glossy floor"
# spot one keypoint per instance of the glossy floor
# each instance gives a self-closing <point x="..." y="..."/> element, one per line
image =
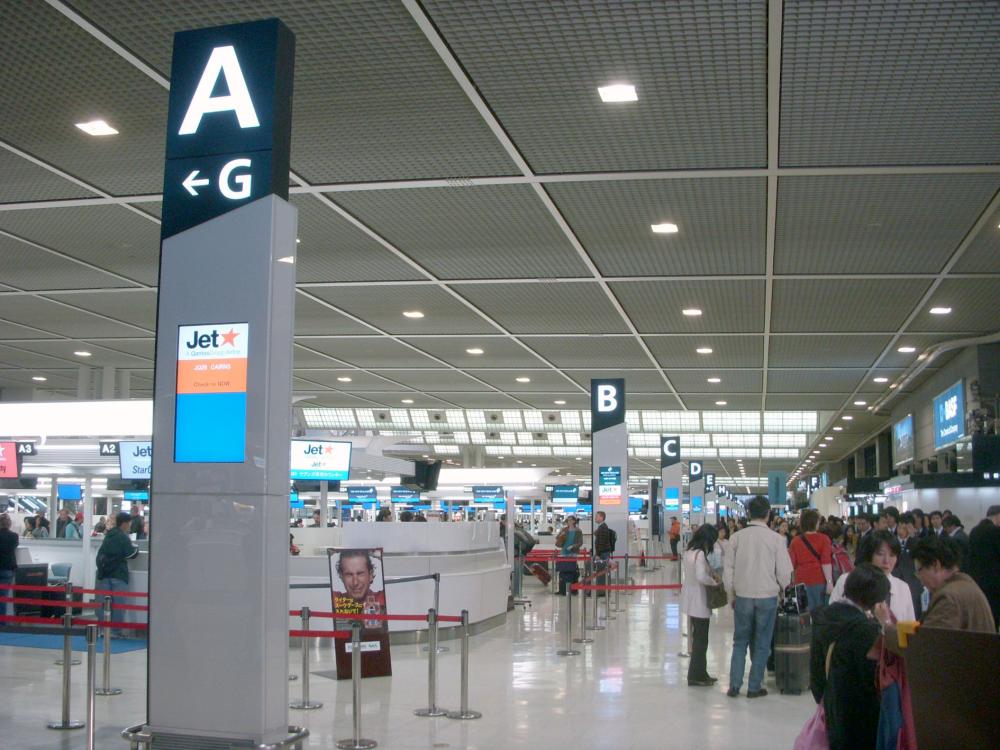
<point x="626" y="690"/>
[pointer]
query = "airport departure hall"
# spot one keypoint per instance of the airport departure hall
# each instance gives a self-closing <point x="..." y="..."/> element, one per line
<point x="484" y="374"/>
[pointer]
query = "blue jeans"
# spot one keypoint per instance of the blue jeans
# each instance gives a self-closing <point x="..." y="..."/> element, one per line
<point x="816" y="596"/>
<point x="6" y="577"/>
<point x="114" y="584"/>
<point x="754" y="621"/>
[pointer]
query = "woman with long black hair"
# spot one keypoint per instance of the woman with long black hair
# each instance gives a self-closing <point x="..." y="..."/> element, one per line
<point x="694" y="601"/>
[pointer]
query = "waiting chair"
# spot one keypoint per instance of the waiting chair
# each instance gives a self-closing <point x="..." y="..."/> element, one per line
<point x="60" y="573"/>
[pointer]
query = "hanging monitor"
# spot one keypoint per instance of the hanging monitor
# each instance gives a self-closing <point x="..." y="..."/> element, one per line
<point x="320" y="459"/>
<point x="135" y="459"/>
<point x="902" y="441"/>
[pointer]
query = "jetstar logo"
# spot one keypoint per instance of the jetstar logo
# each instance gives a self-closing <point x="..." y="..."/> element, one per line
<point x="201" y="340"/>
<point x="317" y="450"/>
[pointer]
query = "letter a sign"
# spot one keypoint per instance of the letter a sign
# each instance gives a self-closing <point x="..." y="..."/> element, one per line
<point x="229" y="121"/>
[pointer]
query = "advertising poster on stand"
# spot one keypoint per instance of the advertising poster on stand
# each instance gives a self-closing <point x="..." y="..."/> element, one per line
<point x="357" y="588"/>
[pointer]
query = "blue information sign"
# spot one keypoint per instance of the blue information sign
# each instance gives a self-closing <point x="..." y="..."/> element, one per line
<point x="366" y="492"/>
<point x="566" y="492"/>
<point x="492" y="493"/>
<point x="672" y="499"/>
<point x="696" y="504"/>
<point x="399" y="494"/>
<point x="949" y="416"/>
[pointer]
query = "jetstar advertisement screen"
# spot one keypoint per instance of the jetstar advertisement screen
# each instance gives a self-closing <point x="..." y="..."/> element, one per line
<point x="135" y="459"/>
<point x="320" y="459"/>
<point x="211" y="417"/>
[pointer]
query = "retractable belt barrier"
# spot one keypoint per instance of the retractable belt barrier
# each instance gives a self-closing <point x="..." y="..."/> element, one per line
<point x="623" y="587"/>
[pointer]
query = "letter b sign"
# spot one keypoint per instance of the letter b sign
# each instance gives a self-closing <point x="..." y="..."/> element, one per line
<point x="607" y="398"/>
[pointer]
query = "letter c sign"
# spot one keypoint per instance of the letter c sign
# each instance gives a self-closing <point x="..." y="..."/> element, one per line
<point x="670" y="447"/>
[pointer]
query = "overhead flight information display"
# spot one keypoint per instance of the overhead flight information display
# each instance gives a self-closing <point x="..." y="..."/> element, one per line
<point x="135" y="459"/>
<point x="320" y="459"/>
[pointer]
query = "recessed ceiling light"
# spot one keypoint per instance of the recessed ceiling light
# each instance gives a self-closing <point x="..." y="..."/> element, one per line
<point x="822" y="445"/>
<point x="287" y="259"/>
<point x="39" y="378"/>
<point x="721" y="403"/>
<point x="691" y="312"/>
<point x="344" y="379"/>
<point x="940" y="310"/>
<point x="413" y="314"/>
<point x="704" y="350"/>
<point x="893" y="385"/>
<point x="426" y="456"/>
<point x="519" y="461"/>
<point x="407" y="400"/>
<point x="880" y="380"/>
<point x="861" y="403"/>
<point x="559" y="402"/>
<point x="617" y="93"/>
<point x="96" y="127"/>
<point x="838" y="429"/>
<point x="665" y="228"/>
<point x="847" y="417"/>
<point x="523" y="380"/>
<point x="906" y="349"/>
<point x="82" y="354"/>
<point x="298" y="241"/>
<point x="828" y="437"/>
<point x="578" y="458"/>
<point x="474" y="351"/>
<point x="715" y="380"/>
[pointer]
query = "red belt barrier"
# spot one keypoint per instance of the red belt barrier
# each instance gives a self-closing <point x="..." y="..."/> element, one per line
<point x="644" y="557"/>
<point x="380" y="618"/>
<point x="30" y="620"/>
<point x="49" y="603"/>
<point x="320" y="633"/>
<point x="99" y="592"/>
<point x="23" y="587"/>
<point x="116" y="625"/>
<point x="130" y="607"/>
<point x="624" y="587"/>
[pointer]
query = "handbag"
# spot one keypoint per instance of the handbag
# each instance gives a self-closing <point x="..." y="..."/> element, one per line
<point x="813" y="735"/>
<point x="716" y="596"/>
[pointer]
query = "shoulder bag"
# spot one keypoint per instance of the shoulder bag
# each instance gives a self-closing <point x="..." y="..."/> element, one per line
<point x="715" y="595"/>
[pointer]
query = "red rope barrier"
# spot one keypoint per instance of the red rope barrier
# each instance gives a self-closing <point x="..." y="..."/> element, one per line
<point x="99" y="592"/>
<point x="24" y="587"/>
<point x="30" y="620"/>
<point x="623" y="587"/>
<point x="129" y="607"/>
<point x="319" y="633"/>
<point x="116" y="625"/>
<point x="50" y="603"/>
<point x="380" y="618"/>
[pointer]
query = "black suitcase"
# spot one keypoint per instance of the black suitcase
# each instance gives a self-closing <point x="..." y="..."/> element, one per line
<point x="793" y="635"/>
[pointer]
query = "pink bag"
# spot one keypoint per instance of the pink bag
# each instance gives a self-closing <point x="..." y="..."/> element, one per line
<point x="813" y="735"/>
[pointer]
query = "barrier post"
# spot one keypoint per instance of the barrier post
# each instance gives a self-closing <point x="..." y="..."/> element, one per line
<point x="627" y="579"/>
<point x="305" y="704"/>
<point x="596" y="624"/>
<point x="432" y="638"/>
<point x="67" y="665"/>
<point x="568" y="650"/>
<point x="91" y="682"/>
<point x="437" y="608"/>
<point x="356" y="742"/>
<point x="464" y="711"/>
<point x="618" y="580"/>
<point x="583" y="620"/>
<point x="106" y="688"/>
<point x="69" y="600"/>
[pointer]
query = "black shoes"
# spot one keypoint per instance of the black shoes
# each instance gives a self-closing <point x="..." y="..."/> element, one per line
<point x="702" y="682"/>
<point x="756" y="693"/>
<point x="733" y="692"/>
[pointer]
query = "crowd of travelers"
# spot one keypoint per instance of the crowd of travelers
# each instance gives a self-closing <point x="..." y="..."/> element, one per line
<point x="861" y="578"/>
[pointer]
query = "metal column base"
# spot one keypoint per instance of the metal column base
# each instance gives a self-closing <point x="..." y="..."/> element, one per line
<point x="59" y="662"/>
<point x="570" y="651"/>
<point x="466" y="714"/>
<point x="72" y="724"/>
<point x="440" y="649"/>
<point x="305" y="705"/>
<point x="583" y="640"/>
<point x="109" y="691"/>
<point x="432" y="711"/>
<point x="596" y="627"/>
<point x="293" y="677"/>
<point x="359" y="745"/>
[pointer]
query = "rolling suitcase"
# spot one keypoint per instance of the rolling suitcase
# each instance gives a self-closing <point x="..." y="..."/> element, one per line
<point x="793" y="635"/>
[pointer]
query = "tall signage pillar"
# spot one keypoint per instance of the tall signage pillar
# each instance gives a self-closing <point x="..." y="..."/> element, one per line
<point x="609" y="455"/>
<point x="696" y="491"/>
<point x="671" y="477"/>
<point x="218" y="581"/>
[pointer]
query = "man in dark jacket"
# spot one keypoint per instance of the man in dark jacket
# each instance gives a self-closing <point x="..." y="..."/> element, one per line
<point x="603" y="538"/>
<point x="112" y="560"/>
<point x="842" y="635"/>
<point x="8" y="561"/>
<point x="984" y="558"/>
<point x="905" y="569"/>
<point x="954" y="531"/>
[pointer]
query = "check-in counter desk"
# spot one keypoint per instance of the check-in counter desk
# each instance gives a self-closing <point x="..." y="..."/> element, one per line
<point x="469" y="556"/>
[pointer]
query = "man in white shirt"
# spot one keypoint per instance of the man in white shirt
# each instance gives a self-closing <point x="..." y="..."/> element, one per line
<point x="757" y="570"/>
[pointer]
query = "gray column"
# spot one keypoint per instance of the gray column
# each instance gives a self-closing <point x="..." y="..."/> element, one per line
<point x="124" y="384"/>
<point x="324" y="488"/>
<point x="107" y="383"/>
<point x="83" y="382"/>
<point x="53" y="504"/>
<point x="89" y="573"/>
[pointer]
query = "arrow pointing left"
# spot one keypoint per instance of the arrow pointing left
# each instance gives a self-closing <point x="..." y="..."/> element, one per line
<point x="190" y="183"/>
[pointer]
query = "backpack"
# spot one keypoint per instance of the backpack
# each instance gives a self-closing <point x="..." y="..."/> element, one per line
<point x="841" y="562"/>
<point x="614" y="538"/>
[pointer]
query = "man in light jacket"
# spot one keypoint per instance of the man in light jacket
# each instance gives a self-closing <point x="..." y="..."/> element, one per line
<point x="757" y="570"/>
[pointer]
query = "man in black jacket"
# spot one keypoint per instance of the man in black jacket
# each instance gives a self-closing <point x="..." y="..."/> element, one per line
<point x="8" y="561"/>
<point x="953" y="530"/>
<point x="604" y="543"/>
<point x="984" y="558"/>
<point x="905" y="569"/>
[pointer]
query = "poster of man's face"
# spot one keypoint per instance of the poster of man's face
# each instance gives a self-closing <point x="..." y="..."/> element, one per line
<point x="357" y="584"/>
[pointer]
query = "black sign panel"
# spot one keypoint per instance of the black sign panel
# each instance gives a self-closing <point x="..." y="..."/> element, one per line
<point x="670" y="450"/>
<point x="709" y="482"/>
<point x="813" y="483"/>
<point x="607" y="403"/>
<point x="108" y="448"/>
<point x="229" y="120"/>
<point x="26" y="449"/>
<point x="722" y="490"/>
<point x="696" y="470"/>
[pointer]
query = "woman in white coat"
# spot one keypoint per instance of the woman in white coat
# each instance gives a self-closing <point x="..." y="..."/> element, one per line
<point x="882" y="549"/>
<point x="694" y="601"/>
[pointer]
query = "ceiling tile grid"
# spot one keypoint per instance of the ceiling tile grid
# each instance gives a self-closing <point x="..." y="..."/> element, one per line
<point x="590" y="351"/>
<point x="727" y="306"/>
<point x="698" y="67"/>
<point x="890" y="82"/>
<point x="841" y="306"/>
<point x="876" y="223"/>
<point x="29" y="267"/>
<point x="826" y="350"/>
<point x="727" y="351"/>
<point x="721" y="224"/>
<point x="26" y="181"/>
<point x="476" y="232"/>
<point x="973" y="303"/>
<point x="983" y="253"/>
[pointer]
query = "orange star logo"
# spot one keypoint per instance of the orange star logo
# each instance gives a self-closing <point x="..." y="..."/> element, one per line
<point x="329" y="449"/>
<point x="229" y="338"/>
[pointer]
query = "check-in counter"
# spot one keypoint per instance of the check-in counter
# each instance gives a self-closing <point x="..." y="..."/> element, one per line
<point x="468" y="555"/>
